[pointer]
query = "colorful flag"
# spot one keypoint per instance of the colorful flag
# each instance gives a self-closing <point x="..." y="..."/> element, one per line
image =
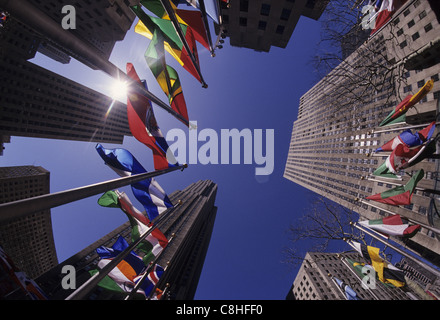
<point x="410" y="139"/>
<point x="190" y="18"/>
<point x="121" y="278"/>
<point x="399" y="113"/>
<point x="148" y="192"/>
<point x="385" y="10"/>
<point x="165" y="75"/>
<point x="19" y="278"/>
<point x="384" y="172"/>
<point x="350" y="294"/>
<point x="143" y="125"/>
<point x="146" y="26"/>
<point x="155" y="242"/>
<point x="393" y="225"/>
<point x="400" y="195"/>
<point x="151" y="281"/>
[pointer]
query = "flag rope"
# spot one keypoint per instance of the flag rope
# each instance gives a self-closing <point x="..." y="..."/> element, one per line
<point x="91" y="283"/>
<point x="20" y="208"/>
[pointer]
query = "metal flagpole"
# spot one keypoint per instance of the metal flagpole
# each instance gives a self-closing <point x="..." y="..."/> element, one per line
<point x="147" y="271"/>
<point x="24" y="207"/>
<point x="91" y="283"/>
<point x="205" y="23"/>
<point x="400" y="128"/>
<point x="173" y="18"/>
<point x="357" y="276"/>
<point x="337" y="285"/>
<point x="403" y="253"/>
<point x="435" y="230"/>
<point x="31" y="16"/>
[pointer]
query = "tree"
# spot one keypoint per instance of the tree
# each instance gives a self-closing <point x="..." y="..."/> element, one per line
<point x="324" y="223"/>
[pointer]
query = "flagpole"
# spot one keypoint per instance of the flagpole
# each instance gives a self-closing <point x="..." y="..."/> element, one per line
<point x="435" y="230"/>
<point x="400" y="128"/>
<point x="91" y="283"/>
<point x="403" y="253"/>
<point x="337" y="285"/>
<point x="155" y="286"/>
<point x="205" y="23"/>
<point x="147" y="271"/>
<point x="398" y="184"/>
<point x="173" y="18"/>
<point x="31" y="16"/>
<point x="20" y="208"/>
<point x="357" y="276"/>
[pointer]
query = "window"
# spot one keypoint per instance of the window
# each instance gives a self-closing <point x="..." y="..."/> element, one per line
<point x="280" y="29"/>
<point x="244" y="5"/>
<point x="415" y="36"/>
<point x="265" y="9"/>
<point x="411" y="23"/>
<point x="420" y="83"/>
<point x="243" y="21"/>
<point x="403" y="44"/>
<point x="285" y="14"/>
<point x="428" y="27"/>
<point x="262" y="25"/>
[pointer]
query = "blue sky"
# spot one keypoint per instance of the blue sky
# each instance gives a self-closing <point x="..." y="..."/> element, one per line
<point x="246" y="89"/>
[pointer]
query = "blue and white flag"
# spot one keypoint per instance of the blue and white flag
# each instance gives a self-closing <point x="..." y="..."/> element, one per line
<point x="150" y="282"/>
<point x="148" y="192"/>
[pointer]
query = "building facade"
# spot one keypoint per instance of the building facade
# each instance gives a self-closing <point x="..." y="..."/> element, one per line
<point x="314" y="280"/>
<point x="260" y="24"/>
<point x="35" y="102"/>
<point x="336" y="132"/>
<point x="29" y="240"/>
<point x="191" y="225"/>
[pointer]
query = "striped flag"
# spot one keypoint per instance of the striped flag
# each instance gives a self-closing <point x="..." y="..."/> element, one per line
<point x="151" y="281"/>
<point x="121" y="278"/>
<point x="143" y="125"/>
<point x="148" y="192"/>
<point x="393" y="225"/>
<point x="155" y="242"/>
<point x="400" y="195"/>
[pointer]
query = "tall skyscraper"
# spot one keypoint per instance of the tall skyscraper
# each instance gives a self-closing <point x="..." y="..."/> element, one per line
<point x="191" y="223"/>
<point x="28" y="241"/>
<point x="260" y="24"/>
<point x="314" y="280"/>
<point x="336" y="130"/>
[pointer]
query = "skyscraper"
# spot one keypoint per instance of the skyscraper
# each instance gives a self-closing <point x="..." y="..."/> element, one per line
<point x="336" y="131"/>
<point x="260" y="24"/>
<point x="28" y="241"/>
<point x="314" y="280"/>
<point x="35" y="102"/>
<point x="191" y="224"/>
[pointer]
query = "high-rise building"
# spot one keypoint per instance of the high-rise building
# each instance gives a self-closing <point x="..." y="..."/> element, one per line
<point x="191" y="225"/>
<point x="260" y="24"/>
<point x="35" y="102"/>
<point x="29" y="240"/>
<point x="336" y="131"/>
<point x="314" y="280"/>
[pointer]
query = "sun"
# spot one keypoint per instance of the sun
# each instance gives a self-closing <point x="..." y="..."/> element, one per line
<point x="119" y="90"/>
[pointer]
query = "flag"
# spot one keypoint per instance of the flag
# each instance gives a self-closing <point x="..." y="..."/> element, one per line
<point x="148" y="192"/>
<point x="151" y="281"/>
<point x="385" y="10"/>
<point x="146" y="26"/>
<point x="410" y="139"/>
<point x="386" y="272"/>
<point x="400" y="156"/>
<point x="384" y="172"/>
<point x="398" y="114"/>
<point x="400" y="195"/>
<point x="423" y="152"/>
<point x="165" y="75"/>
<point x="190" y="18"/>
<point x="121" y="278"/>
<point x="350" y="294"/>
<point x="393" y="225"/>
<point x="143" y="125"/>
<point x="15" y="276"/>
<point x="155" y="242"/>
